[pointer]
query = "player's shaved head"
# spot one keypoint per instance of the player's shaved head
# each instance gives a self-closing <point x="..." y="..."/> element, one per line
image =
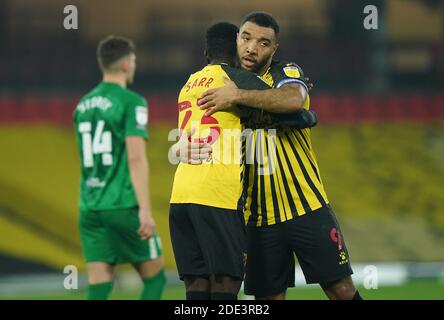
<point x="112" y="49"/>
<point x="262" y="19"/>
<point x="220" y="42"/>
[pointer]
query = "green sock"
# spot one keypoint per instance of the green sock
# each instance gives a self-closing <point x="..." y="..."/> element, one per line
<point x="153" y="287"/>
<point x="99" y="291"/>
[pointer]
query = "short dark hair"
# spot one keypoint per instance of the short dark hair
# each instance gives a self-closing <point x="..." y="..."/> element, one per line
<point x="262" y="19"/>
<point x="113" y="48"/>
<point x="220" y="41"/>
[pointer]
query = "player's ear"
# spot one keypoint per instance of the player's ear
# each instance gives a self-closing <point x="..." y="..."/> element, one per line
<point x="276" y="46"/>
<point x="125" y="65"/>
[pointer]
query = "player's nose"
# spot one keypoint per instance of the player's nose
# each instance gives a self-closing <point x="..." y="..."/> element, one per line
<point x="251" y="48"/>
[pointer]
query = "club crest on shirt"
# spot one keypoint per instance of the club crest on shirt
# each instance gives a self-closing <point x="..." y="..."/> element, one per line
<point x="292" y="72"/>
<point x="342" y="257"/>
<point x="141" y="116"/>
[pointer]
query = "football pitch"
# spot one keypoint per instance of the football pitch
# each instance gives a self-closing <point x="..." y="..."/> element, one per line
<point x="412" y="290"/>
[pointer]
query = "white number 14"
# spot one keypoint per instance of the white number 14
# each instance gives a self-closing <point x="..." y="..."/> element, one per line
<point x="100" y="144"/>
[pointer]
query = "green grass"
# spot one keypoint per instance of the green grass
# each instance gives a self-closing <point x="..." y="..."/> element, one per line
<point x="413" y="290"/>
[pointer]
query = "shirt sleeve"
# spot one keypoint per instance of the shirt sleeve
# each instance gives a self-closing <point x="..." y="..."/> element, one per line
<point x="299" y="120"/>
<point x="288" y="73"/>
<point x="246" y="80"/>
<point x="136" y="118"/>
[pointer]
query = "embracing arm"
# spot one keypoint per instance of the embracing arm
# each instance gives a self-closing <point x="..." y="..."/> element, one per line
<point x="286" y="99"/>
<point x="189" y="152"/>
<point x="289" y="98"/>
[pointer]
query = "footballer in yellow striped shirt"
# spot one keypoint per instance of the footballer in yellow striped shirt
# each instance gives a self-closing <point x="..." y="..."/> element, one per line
<point x="207" y="229"/>
<point x="285" y="204"/>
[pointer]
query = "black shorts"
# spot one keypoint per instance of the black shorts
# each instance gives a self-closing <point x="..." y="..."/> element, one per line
<point x="207" y="240"/>
<point x="316" y="240"/>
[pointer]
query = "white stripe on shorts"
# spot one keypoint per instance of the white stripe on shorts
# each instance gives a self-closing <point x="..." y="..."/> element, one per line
<point x="153" y="249"/>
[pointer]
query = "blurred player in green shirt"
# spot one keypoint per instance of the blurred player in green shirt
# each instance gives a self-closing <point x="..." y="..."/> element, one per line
<point x="116" y="222"/>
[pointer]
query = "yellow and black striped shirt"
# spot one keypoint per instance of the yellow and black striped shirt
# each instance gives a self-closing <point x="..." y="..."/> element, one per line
<point x="282" y="176"/>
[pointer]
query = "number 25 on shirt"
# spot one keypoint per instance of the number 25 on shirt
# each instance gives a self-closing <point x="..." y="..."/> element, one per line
<point x="187" y="107"/>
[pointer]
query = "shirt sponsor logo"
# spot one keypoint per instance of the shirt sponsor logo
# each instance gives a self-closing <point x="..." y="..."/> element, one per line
<point x="95" y="183"/>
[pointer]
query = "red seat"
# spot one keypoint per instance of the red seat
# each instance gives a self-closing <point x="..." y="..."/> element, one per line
<point x="372" y="109"/>
<point x="323" y="105"/>
<point x="8" y="109"/>
<point x="394" y="108"/>
<point x="418" y="109"/>
<point x="347" y="109"/>
<point x="54" y="108"/>
<point x="437" y="106"/>
<point x="31" y="109"/>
